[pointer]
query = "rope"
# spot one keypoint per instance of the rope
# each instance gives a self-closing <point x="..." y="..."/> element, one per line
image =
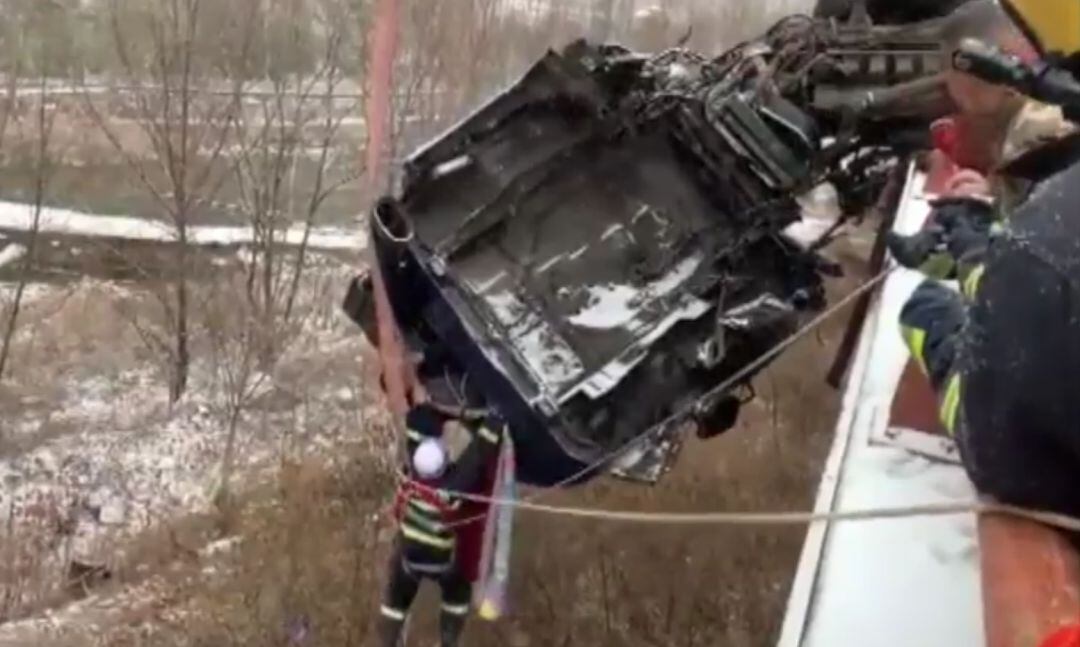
<point x="529" y="504"/>
<point x="735" y="378"/>
<point x="1052" y="519"/>
<point x="677" y="417"/>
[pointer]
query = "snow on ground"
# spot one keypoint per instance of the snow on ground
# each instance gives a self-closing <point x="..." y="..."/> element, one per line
<point x="19" y="217"/>
<point x="130" y="462"/>
<point x="107" y="458"/>
<point x="10" y="253"/>
<point x="32" y="292"/>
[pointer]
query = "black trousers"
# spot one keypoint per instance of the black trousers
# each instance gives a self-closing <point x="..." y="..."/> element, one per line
<point x="404" y="584"/>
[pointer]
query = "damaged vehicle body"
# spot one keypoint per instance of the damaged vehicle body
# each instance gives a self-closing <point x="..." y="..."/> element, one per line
<point x="600" y="247"/>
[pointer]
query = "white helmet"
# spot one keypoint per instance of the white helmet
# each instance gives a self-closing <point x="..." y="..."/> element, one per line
<point x="429" y="460"/>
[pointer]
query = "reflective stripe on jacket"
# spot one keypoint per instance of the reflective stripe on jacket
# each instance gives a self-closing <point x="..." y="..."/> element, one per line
<point x="425" y="519"/>
<point x="931" y="323"/>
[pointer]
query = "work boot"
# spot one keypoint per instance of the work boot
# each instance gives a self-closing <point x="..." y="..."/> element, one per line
<point x="451" y="626"/>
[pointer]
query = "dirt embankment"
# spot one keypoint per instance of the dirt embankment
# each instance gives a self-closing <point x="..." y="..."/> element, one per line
<point x="309" y="564"/>
<point x="98" y="471"/>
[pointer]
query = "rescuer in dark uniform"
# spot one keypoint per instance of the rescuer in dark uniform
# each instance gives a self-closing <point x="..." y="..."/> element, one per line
<point x="1004" y="353"/>
<point x="426" y="545"/>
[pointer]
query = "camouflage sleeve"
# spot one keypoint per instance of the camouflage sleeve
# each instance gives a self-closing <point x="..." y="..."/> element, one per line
<point x="1035" y="124"/>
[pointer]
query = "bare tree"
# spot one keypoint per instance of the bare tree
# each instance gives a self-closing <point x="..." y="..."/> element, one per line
<point x="456" y="53"/>
<point x="42" y="172"/>
<point x="165" y="53"/>
<point x="10" y="67"/>
<point x="234" y="337"/>
<point x="41" y="162"/>
<point x="27" y="542"/>
<point x="294" y="126"/>
<point x="292" y="132"/>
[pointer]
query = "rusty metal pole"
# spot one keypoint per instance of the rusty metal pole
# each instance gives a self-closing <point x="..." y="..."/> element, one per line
<point x="380" y="100"/>
<point x="398" y="379"/>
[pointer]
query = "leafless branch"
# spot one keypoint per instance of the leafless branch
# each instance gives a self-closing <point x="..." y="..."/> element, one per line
<point x="44" y="121"/>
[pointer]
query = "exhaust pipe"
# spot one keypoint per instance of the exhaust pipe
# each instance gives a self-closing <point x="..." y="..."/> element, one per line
<point x="392" y="226"/>
<point x="391" y="234"/>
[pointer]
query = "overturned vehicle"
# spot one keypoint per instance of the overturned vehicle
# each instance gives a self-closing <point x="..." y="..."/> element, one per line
<point x="599" y="250"/>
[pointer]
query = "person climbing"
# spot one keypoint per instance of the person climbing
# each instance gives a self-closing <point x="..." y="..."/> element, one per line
<point x="427" y="508"/>
<point x="1004" y="353"/>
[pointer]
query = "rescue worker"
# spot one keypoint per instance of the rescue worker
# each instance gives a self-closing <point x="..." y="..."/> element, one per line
<point x="426" y="544"/>
<point x="994" y="130"/>
<point x="998" y="124"/>
<point x="1004" y="353"/>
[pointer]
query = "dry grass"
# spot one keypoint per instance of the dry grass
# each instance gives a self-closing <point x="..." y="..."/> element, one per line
<point x="78" y="341"/>
<point x="313" y="545"/>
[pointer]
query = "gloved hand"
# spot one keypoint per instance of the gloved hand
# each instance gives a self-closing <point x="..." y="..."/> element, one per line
<point x="493" y="428"/>
<point x="968" y="225"/>
<point x="953" y="244"/>
<point x="925" y="251"/>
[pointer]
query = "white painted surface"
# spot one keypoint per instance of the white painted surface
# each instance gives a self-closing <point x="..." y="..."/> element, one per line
<point x="890" y="583"/>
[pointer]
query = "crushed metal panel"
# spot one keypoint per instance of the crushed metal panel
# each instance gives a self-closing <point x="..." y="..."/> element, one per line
<point x="581" y="247"/>
<point x="651" y="458"/>
<point x="562" y="277"/>
<point x="612" y="264"/>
